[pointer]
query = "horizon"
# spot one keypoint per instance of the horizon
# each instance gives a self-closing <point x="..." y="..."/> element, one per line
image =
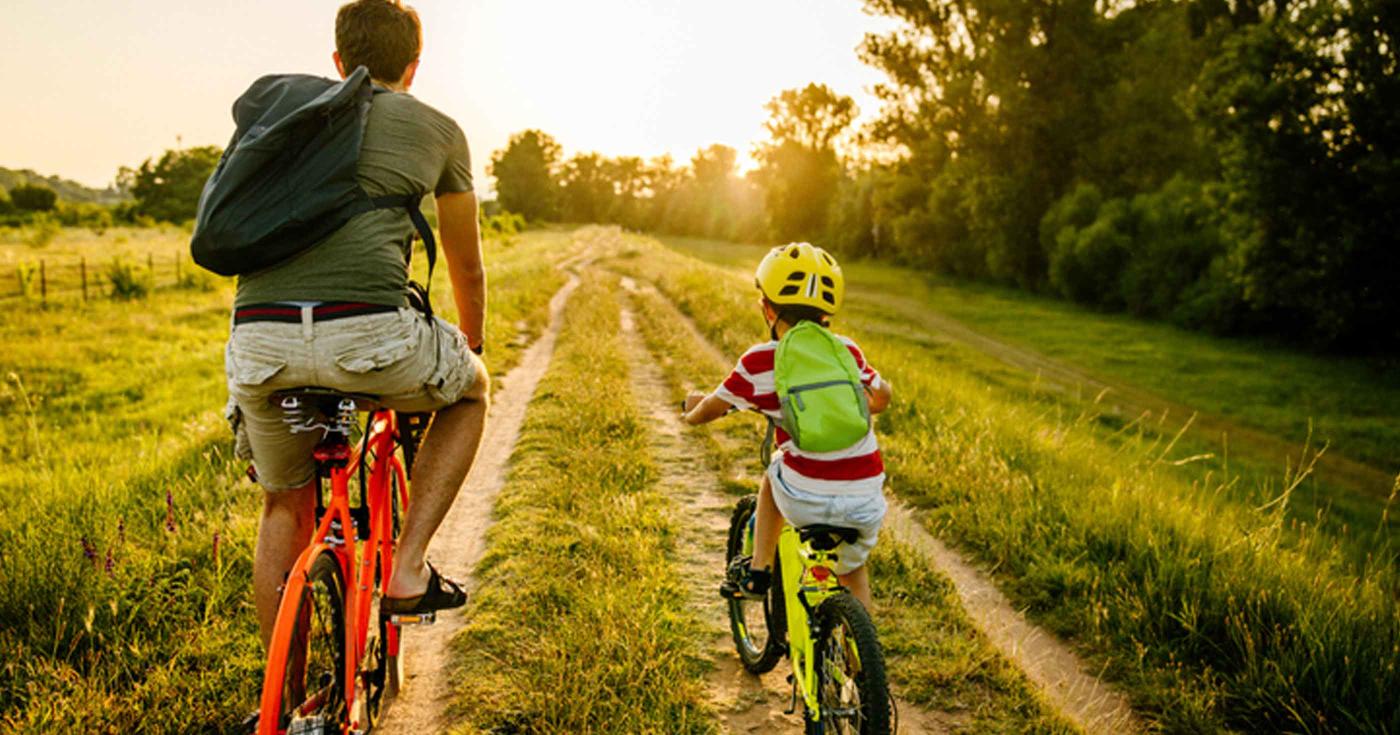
<point x="107" y="102"/>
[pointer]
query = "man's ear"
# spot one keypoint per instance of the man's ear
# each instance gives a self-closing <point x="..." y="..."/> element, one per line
<point x="339" y="65"/>
<point x="408" y="74"/>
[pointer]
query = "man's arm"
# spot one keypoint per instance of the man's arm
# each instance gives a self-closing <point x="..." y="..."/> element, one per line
<point x="461" y="245"/>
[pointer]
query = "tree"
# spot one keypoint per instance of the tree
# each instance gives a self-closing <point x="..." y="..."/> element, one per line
<point x="168" y="189"/>
<point x="800" y="171"/>
<point x="34" y="198"/>
<point x="525" y="172"/>
<point x="587" y="191"/>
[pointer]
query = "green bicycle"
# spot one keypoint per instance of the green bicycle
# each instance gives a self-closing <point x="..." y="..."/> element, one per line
<point x="838" y="668"/>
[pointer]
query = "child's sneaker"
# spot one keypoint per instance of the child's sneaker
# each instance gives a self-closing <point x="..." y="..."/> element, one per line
<point x="743" y="582"/>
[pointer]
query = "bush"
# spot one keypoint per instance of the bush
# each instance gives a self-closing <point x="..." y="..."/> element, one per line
<point x="42" y="230"/>
<point x="128" y="281"/>
<point x="196" y="279"/>
<point x="1087" y="263"/>
<point x="1175" y="238"/>
<point x="34" y="198"/>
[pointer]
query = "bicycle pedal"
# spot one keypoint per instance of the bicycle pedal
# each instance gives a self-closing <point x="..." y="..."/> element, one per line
<point x="427" y="618"/>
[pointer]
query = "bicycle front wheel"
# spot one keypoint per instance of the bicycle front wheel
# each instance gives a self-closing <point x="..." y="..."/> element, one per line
<point x="850" y="668"/>
<point x="757" y="626"/>
<point x="309" y="658"/>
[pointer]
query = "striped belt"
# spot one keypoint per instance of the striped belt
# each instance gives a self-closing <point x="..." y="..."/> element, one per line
<point x="323" y="312"/>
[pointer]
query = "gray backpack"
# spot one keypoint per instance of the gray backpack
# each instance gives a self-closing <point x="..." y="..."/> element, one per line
<point x="287" y="179"/>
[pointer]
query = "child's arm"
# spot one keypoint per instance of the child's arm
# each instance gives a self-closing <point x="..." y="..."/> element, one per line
<point x="702" y="408"/>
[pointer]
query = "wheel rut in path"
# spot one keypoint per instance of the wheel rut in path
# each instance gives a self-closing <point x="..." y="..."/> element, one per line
<point x="745" y="703"/>
<point x="427" y="653"/>
<point x="1046" y="660"/>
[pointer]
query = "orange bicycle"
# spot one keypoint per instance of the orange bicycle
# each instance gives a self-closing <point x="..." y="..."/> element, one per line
<point x="333" y="658"/>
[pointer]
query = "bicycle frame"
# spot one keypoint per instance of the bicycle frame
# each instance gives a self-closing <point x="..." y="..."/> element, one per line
<point x="808" y="580"/>
<point x="338" y="532"/>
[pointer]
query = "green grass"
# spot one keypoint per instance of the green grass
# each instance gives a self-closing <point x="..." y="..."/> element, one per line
<point x="935" y="656"/>
<point x="1216" y="616"/>
<point x="579" y="624"/>
<point x="1349" y="403"/>
<point x="108" y="409"/>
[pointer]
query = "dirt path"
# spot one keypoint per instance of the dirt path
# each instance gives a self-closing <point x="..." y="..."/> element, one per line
<point x="1047" y="661"/>
<point x="1131" y="402"/>
<point x="421" y="706"/>
<point x="745" y="703"/>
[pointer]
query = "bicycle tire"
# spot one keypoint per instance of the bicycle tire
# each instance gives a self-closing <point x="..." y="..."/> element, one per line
<point x="757" y="657"/>
<point x="843" y="621"/>
<point x="312" y="654"/>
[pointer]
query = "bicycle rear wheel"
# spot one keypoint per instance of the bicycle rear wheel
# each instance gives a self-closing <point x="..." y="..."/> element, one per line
<point x="850" y="668"/>
<point x="310" y="658"/>
<point x="757" y="626"/>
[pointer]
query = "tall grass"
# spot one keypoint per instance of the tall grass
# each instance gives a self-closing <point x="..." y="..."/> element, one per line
<point x="1217" y="616"/>
<point x="579" y="623"/>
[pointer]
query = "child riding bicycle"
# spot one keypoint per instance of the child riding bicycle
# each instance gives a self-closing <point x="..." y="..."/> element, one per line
<point x="811" y="480"/>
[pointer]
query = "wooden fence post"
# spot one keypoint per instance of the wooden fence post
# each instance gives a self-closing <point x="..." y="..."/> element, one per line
<point x="82" y="267"/>
<point x="43" y="283"/>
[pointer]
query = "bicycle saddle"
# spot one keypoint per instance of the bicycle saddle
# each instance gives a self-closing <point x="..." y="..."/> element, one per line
<point x="325" y="400"/>
<point x="825" y="538"/>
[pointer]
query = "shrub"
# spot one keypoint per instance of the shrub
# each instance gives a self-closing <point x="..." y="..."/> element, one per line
<point x="128" y="281"/>
<point x="42" y="230"/>
<point x="34" y="198"/>
<point x="196" y="279"/>
<point x="1175" y="239"/>
<point x="1087" y="263"/>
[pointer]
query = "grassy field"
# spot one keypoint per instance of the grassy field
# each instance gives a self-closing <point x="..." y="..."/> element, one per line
<point x="1162" y="359"/>
<point x="127" y="538"/>
<point x="1349" y="403"/>
<point x="1214" y="614"/>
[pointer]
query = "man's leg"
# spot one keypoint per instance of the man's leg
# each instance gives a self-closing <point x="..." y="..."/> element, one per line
<point x="767" y="525"/>
<point x="442" y="464"/>
<point x="286" y="526"/>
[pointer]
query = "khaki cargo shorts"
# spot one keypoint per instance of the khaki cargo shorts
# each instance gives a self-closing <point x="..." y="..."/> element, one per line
<point x="410" y="363"/>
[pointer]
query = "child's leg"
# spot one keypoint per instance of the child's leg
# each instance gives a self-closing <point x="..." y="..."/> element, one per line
<point x="858" y="582"/>
<point x="767" y="525"/>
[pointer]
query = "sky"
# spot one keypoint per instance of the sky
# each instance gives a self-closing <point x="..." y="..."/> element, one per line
<point x="92" y="85"/>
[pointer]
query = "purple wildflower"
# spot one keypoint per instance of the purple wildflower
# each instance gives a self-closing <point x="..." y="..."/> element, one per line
<point x="169" y="511"/>
<point x="109" y="564"/>
<point x="121" y="530"/>
<point x="89" y="550"/>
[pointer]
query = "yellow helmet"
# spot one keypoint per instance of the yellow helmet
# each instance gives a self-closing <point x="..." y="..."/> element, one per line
<point x="801" y="274"/>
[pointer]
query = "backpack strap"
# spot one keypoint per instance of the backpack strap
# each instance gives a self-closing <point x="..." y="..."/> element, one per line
<point x="410" y="202"/>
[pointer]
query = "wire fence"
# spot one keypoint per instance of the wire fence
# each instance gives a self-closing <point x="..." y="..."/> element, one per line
<point x="48" y="279"/>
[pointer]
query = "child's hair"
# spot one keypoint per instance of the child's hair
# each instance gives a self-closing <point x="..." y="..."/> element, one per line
<point x="793" y="314"/>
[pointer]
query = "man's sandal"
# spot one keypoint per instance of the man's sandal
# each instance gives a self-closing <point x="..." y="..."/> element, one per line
<point x="442" y="594"/>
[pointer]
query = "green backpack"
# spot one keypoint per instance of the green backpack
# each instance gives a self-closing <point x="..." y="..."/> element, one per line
<point x="824" y="405"/>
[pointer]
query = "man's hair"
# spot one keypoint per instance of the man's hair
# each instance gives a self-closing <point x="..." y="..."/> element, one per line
<point x="384" y="35"/>
<point x="793" y="314"/>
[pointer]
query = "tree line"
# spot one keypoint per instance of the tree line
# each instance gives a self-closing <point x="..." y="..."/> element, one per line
<point x="1228" y="166"/>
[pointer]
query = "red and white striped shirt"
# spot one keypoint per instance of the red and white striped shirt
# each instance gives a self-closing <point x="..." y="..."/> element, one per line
<point x="856" y="470"/>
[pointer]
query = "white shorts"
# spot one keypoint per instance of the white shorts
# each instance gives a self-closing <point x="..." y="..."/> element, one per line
<point x="864" y="513"/>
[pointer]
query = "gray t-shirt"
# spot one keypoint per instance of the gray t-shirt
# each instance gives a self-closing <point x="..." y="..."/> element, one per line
<point x="408" y="148"/>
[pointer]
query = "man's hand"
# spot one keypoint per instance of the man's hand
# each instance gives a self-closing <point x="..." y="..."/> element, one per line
<point x="461" y="245"/>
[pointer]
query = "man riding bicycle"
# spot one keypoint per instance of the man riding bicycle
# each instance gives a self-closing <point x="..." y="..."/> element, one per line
<point x="338" y="316"/>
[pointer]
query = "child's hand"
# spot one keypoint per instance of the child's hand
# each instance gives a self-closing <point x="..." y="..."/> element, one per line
<point x="692" y="400"/>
